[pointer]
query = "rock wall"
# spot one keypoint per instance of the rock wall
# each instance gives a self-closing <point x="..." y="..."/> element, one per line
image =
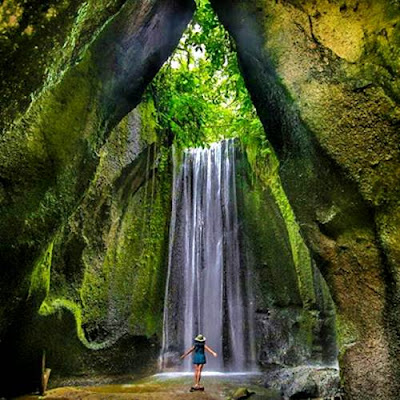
<point x="94" y="60"/>
<point x="93" y="305"/>
<point x="323" y="76"/>
<point x="294" y="312"/>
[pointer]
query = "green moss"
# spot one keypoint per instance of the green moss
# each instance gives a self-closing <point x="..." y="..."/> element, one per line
<point x="10" y="15"/>
<point x="148" y="132"/>
<point x="134" y="260"/>
<point x="106" y="265"/>
<point x="268" y="249"/>
<point x="39" y="292"/>
<point x="308" y="322"/>
<point x="40" y="278"/>
<point x="265" y="165"/>
<point x="347" y="334"/>
<point x="40" y="41"/>
<point x="50" y="307"/>
<point x="40" y="289"/>
<point x="120" y="229"/>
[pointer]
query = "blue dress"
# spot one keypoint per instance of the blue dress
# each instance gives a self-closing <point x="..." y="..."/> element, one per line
<point x="198" y="354"/>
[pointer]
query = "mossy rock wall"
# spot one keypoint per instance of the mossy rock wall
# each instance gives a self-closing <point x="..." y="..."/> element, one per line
<point x="113" y="245"/>
<point x="39" y="41"/>
<point x="323" y="76"/>
<point x="95" y="299"/>
<point x="94" y="60"/>
<point x="294" y="312"/>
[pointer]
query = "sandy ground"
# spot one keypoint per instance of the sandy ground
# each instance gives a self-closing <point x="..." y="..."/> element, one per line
<point x="161" y="388"/>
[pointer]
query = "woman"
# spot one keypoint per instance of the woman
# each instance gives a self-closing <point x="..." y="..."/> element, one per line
<point x="199" y="359"/>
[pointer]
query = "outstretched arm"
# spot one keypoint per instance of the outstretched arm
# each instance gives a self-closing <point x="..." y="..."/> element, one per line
<point x="187" y="352"/>
<point x="210" y="350"/>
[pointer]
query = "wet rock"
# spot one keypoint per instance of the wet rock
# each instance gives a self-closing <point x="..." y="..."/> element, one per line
<point x="171" y="360"/>
<point x="304" y="382"/>
<point x="241" y="394"/>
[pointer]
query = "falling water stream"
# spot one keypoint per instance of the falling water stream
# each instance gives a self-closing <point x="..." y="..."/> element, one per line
<point x="207" y="286"/>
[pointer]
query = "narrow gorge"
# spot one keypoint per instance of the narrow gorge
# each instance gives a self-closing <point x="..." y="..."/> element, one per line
<point x="231" y="168"/>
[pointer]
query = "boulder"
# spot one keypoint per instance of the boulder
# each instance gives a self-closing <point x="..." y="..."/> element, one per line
<point x="242" y="393"/>
<point x="304" y="382"/>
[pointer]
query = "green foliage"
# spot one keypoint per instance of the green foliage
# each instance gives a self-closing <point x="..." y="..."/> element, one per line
<point x="200" y="95"/>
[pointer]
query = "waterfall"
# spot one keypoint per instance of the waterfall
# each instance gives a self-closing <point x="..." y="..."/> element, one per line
<point x="206" y="288"/>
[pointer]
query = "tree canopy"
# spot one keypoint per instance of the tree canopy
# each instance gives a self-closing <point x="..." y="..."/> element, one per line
<point x="200" y="95"/>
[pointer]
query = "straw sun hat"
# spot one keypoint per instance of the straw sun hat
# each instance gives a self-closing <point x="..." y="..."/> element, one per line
<point x="200" y="338"/>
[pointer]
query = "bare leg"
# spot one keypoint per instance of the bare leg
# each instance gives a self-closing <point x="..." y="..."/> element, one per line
<point x="196" y="374"/>
<point x="199" y="374"/>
